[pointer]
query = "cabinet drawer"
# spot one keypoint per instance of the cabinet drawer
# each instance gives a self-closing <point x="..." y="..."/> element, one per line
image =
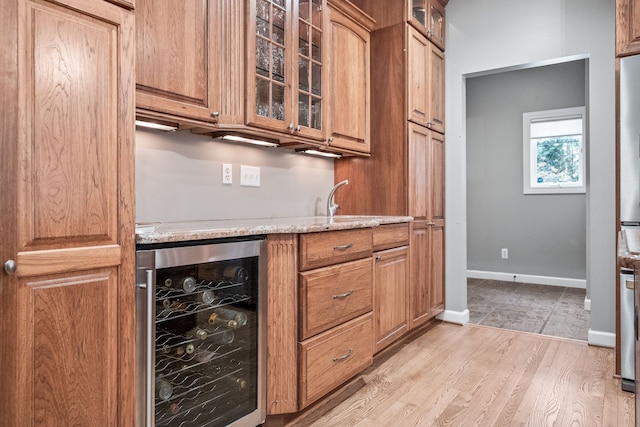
<point x="390" y="236"/>
<point x="333" y="357"/>
<point x="331" y="247"/>
<point x="332" y="295"/>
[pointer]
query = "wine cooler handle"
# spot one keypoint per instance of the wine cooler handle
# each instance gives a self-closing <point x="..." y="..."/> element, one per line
<point x="150" y="325"/>
<point x="344" y="356"/>
<point x="343" y="247"/>
<point x="346" y="294"/>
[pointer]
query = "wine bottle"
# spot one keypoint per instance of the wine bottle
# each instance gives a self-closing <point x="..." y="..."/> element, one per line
<point x="235" y="274"/>
<point x="216" y="320"/>
<point x="229" y="314"/>
<point x="188" y="284"/>
<point x="224" y="337"/>
<point x="198" y="333"/>
<point x="189" y="349"/>
<point x="164" y="389"/>
<point x="207" y="297"/>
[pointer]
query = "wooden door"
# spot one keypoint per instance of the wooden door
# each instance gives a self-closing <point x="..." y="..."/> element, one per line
<point x="173" y="57"/>
<point x="627" y="27"/>
<point x="67" y="205"/>
<point x="418" y="174"/>
<point x="419" y="286"/>
<point x="436" y="23"/>
<point x="436" y="221"/>
<point x="270" y="39"/>
<point x="436" y="90"/>
<point x="349" y="117"/>
<point x="418" y="60"/>
<point x="390" y="281"/>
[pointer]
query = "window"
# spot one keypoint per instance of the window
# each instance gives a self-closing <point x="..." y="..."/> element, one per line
<point x="553" y="154"/>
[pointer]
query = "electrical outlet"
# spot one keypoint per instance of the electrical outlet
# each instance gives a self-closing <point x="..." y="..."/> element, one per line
<point x="227" y="173"/>
<point x="504" y="252"/>
<point x="249" y="176"/>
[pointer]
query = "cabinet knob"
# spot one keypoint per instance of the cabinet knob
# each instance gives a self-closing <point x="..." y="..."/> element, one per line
<point x="10" y="266"/>
<point x="290" y="127"/>
<point x="215" y="114"/>
<point x="330" y="140"/>
<point x="298" y="128"/>
<point x="429" y="124"/>
<point x="378" y="257"/>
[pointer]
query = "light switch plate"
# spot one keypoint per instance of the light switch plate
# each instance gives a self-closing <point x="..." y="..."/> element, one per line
<point x="227" y="173"/>
<point x="249" y="176"/>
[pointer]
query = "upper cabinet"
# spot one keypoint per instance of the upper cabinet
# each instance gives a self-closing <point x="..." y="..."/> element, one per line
<point x="172" y="62"/>
<point x="285" y="66"/>
<point x="349" y="38"/>
<point x="428" y="17"/>
<point x="627" y="27"/>
<point x="257" y="67"/>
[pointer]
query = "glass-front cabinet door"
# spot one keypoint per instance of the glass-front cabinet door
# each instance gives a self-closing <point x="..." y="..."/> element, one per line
<point x="285" y="66"/>
<point x="310" y="51"/>
<point x="428" y="17"/>
<point x="269" y="64"/>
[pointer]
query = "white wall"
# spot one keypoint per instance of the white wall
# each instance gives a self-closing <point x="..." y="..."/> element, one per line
<point x="491" y="34"/>
<point x="179" y="178"/>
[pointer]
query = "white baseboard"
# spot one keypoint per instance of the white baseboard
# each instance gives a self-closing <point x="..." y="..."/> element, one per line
<point x="601" y="339"/>
<point x="587" y="304"/>
<point x="459" y="317"/>
<point x="528" y="278"/>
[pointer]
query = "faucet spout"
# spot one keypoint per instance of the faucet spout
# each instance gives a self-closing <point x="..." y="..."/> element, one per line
<point x="331" y="205"/>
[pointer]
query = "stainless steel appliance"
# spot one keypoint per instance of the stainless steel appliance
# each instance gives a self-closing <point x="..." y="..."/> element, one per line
<point x="201" y="334"/>
<point x="629" y="200"/>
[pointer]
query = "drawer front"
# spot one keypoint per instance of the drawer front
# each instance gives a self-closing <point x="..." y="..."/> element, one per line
<point x="390" y="236"/>
<point x="331" y="247"/>
<point x="332" y="295"/>
<point x="333" y="357"/>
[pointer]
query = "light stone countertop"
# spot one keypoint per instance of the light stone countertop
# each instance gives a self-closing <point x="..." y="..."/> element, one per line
<point x="166" y="232"/>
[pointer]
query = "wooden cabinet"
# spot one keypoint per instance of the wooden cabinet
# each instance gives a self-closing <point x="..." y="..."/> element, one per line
<point x="405" y="173"/>
<point x="286" y="55"/>
<point x="390" y="283"/>
<point x="335" y="333"/>
<point x="425" y="82"/>
<point x="67" y="329"/>
<point x="627" y="27"/>
<point x="174" y="57"/>
<point x="349" y="116"/>
<point x="426" y="16"/>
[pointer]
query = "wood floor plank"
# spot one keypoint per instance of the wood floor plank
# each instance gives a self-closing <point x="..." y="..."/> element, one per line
<point x="480" y="376"/>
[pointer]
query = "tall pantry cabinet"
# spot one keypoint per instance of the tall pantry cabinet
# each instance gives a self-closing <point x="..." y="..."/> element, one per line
<point x="405" y="174"/>
<point x="67" y="288"/>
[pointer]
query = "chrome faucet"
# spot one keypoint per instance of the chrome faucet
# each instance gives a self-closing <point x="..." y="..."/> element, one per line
<point x="331" y="205"/>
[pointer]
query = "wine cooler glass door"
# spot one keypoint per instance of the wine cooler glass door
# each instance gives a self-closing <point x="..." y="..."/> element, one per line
<point x="206" y="345"/>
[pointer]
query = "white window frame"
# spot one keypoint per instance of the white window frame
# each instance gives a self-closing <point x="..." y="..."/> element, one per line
<point x="530" y="184"/>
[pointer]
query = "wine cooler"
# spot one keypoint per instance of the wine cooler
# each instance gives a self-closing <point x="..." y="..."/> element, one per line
<point x="201" y="334"/>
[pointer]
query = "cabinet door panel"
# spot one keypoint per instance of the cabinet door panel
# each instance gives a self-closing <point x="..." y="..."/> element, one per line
<point x="173" y="53"/>
<point x="349" y="116"/>
<point x="627" y="27"/>
<point x="418" y="171"/>
<point x="418" y="77"/>
<point x="436" y="266"/>
<point x="67" y="320"/>
<point x="72" y="347"/>
<point x="436" y="91"/>
<point x="390" y="295"/>
<point x="436" y="177"/>
<point x="419" y="298"/>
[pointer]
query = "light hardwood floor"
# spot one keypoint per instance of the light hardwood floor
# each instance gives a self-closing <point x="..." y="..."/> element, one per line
<point x="482" y="376"/>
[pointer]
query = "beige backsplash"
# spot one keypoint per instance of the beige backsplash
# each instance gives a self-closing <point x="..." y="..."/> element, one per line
<point x="179" y="178"/>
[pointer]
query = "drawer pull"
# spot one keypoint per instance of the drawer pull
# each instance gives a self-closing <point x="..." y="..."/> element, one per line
<point x="343" y="247"/>
<point x="346" y="294"/>
<point x="344" y="356"/>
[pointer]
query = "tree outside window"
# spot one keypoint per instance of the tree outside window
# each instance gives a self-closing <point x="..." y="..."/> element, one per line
<point x="554" y="160"/>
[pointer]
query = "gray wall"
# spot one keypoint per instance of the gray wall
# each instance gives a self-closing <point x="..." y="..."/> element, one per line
<point x="544" y="233"/>
<point x="179" y="178"/>
<point x="487" y="35"/>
